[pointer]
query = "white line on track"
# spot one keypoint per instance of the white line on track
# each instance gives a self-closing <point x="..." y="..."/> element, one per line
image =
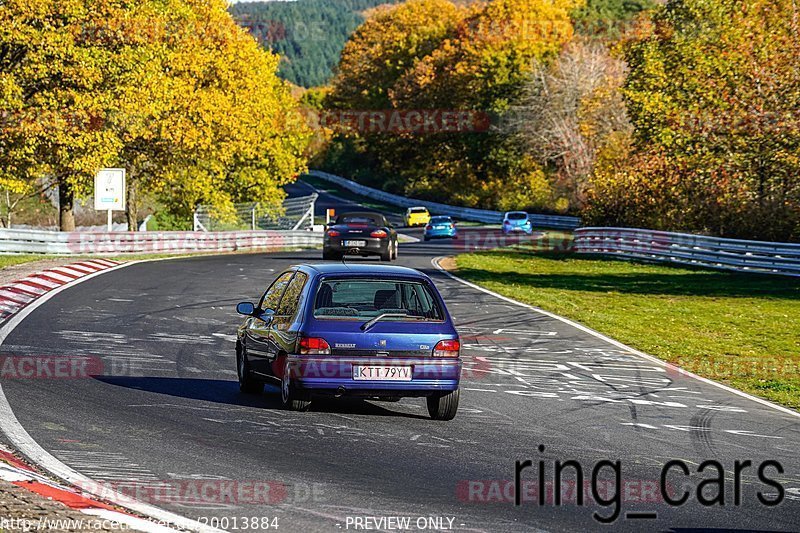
<point x="23" y="442"/>
<point x="597" y="334"/>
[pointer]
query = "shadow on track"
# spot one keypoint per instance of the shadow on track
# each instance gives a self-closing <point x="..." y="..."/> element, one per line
<point x="227" y="392"/>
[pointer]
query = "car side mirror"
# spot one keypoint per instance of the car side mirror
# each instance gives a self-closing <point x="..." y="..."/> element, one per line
<point x="245" y="308"/>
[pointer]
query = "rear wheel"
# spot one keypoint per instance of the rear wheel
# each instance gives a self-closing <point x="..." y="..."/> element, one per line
<point x="396" y="250"/>
<point x="247" y="383"/>
<point x="291" y="398"/>
<point x="330" y="256"/>
<point x="443" y="405"/>
<point x="387" y="255"/>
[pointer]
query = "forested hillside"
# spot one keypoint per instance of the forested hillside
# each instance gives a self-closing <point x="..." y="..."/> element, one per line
<point x="308" y="34"/>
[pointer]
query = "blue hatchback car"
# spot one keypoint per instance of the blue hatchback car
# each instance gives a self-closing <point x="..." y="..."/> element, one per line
<point x="370" y="331"/>
<point x="440" y="228"/>
<point x="517" y="221"/>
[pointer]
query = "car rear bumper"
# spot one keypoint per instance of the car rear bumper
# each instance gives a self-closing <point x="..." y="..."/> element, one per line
<point x="442" y="233"/>
<point x="374" y="246"/>
<point x="332" y="375"/>
<point x="518" y="229"/>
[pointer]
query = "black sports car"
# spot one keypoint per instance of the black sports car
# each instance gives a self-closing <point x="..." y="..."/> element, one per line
<point x="361" y="233"/>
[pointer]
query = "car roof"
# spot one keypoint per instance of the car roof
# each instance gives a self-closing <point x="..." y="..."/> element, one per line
<point x="361" y="269"/>
<point x="418" y="207"/>
<point x="516" y="213"/>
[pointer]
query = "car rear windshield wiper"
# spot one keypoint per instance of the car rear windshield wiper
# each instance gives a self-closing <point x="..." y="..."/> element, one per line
<point x="372" y="321"/>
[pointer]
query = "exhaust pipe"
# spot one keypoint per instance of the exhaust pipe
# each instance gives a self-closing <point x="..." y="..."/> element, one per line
<point x="340" y="392"/>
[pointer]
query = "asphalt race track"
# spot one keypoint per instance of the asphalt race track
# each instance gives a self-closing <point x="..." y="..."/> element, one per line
<point x="168" y="409"/>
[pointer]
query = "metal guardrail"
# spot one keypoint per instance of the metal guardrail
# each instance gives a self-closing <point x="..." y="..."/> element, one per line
<point x="296" y="213"/>
<point x="711" y="252"/>
<point x="462" y="213"/>
<point x="77" y="243"/>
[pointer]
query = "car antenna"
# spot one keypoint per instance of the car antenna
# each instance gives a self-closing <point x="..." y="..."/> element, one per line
<point x="351" y="251"/>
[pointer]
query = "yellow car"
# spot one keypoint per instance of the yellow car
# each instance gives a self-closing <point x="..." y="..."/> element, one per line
<point x="417" y="216"/>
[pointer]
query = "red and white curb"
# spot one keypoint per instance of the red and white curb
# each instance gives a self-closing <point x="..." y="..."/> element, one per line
<point x="18" y="294"/>
<point x="25" y="296"/>
<point x="18" y="473"/>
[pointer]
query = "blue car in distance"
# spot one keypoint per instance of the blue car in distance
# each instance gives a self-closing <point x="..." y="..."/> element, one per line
<point x="370" y="331"/>
<point x="517" y="221"/>
<point x="440" y="227"/>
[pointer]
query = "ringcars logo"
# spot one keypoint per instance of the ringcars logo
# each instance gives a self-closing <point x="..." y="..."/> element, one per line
<point x="50" y="367"/>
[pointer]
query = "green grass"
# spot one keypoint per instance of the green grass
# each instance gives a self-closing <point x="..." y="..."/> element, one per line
<point x="739" y="329"/>
<point x="11" y="260"/>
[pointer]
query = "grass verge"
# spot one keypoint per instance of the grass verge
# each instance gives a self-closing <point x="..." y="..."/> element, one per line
<point x="11" y="260"/>
<point x="738" y="329"/>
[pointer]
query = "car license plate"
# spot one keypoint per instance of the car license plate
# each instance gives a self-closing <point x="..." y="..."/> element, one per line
<point x="381" y="373"/>
<point x="357" y="244"/>
<point x="440" y="227"/>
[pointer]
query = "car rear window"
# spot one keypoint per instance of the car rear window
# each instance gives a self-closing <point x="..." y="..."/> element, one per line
<point x="362" y="299"/>
<point x="358" y="219"/>
<point x="441" y="220"/>
<point x="517" y="216"/>
<point x="418" y="210"/>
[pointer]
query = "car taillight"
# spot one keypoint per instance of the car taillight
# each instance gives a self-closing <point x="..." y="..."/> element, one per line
<point x="333" y="233"/>
<point x="452" y="226"/>
<point x="314" y="346"/>
<point x="379" y="233"/>
<point x="506" y="222"/>
<point x="449" y="348"/>
<point x="428" y="227"/>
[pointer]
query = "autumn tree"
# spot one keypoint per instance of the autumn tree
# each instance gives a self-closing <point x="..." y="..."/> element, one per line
<point x="173" y="90"/>
<point x="714" y="96"/>
<point x="572" y="110"/>
<point x="477" y="62"/>
<point x="484" y="69"/>
<point x="54" y="77"/>
<point x="386" y="46"/>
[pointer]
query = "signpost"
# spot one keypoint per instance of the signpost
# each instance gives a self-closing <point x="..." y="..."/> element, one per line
<point x="109" y="191"/>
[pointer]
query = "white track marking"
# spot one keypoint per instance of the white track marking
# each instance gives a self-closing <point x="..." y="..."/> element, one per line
<point x="67" y="271"/>
<point x="785" y="410"/>
<point x="23" y="442"/>
<point x="31" y="280"/>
